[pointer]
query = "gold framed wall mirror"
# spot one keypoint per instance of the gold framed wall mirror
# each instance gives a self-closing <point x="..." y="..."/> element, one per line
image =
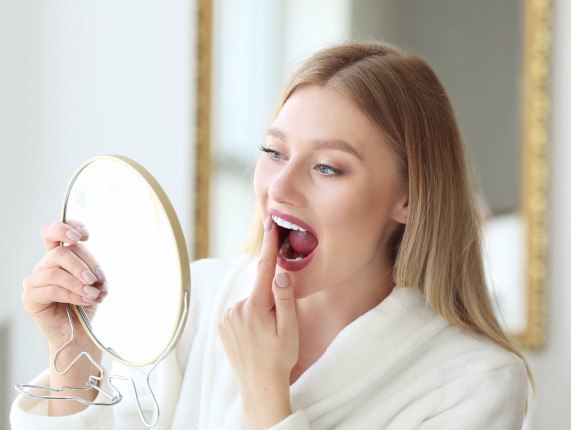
<point x="494" y="61"/>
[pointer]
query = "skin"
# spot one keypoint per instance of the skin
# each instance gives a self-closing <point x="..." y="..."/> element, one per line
<point x="355" y="204"/>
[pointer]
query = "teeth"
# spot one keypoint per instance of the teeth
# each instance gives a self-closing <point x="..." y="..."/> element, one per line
<point x="286" y="224"/>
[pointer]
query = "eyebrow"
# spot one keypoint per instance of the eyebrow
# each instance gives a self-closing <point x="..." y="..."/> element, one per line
<point x="336" y="144"/>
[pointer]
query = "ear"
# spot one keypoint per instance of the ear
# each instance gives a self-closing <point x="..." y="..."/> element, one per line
<point x="400" y="213"/>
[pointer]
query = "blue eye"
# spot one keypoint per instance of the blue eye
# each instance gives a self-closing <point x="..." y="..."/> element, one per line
<point x="326" y="170"/>
<point x="274" y="155"/>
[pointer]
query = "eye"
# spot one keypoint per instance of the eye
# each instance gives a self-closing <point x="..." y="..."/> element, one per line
<point x="326" y="170"/>
<point x="273" y="155"/>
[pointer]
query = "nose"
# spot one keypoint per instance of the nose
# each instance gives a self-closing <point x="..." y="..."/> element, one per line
<point x="286" y="186"/>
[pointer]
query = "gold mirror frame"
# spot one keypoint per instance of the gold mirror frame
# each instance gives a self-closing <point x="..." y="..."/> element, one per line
<point x="535" y="167"/>
<point x="184" y="288"/>
<point x="535" y="145"/>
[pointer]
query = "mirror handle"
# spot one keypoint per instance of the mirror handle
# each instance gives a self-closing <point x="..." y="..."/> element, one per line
<point x="93" y="380"/>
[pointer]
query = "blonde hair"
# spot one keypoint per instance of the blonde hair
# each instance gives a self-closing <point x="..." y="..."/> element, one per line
<point x="439" y="251"/>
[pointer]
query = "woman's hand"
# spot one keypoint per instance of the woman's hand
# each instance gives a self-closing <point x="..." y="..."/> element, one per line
<point x="260" y="336"/>
<point x="65" y="275"/>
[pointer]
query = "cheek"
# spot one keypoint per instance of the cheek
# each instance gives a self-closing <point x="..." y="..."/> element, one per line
<point x="261" y="182"/>
<point x="359" y="211"/>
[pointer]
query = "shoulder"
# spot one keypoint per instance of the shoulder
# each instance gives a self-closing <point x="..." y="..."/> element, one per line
<point x="476" y="381"/>
<point x="455" y="373"/>
<point x="466" y="375"/>
<point x="470" y="364"/>
<point x="451" y="346"/>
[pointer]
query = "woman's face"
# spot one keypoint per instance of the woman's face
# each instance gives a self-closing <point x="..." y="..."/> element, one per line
<point x="327" y="169"/>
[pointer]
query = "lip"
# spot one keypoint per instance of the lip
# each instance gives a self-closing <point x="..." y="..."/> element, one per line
<point x="294" y="266"/>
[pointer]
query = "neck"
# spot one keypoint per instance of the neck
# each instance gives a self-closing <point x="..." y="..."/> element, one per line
<point x="341" y="304"/>
<point x="323" y="315"/>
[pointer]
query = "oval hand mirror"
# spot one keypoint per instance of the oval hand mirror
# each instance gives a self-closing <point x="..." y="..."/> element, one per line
<point x="137" y="241"/>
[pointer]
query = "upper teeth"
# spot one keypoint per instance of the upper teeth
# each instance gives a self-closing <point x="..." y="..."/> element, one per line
<point x="286" y="224"/>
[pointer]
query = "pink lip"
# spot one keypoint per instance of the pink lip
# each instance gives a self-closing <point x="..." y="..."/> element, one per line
<point x="294" y="266"/>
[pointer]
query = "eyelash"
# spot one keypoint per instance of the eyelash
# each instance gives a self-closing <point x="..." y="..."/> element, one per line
<point x="276" y="156"/>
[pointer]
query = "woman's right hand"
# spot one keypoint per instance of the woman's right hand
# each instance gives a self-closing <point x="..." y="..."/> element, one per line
<point x="65" y="274"/>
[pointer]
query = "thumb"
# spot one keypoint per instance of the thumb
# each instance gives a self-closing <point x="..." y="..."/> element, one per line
<point x="286" y="317"/>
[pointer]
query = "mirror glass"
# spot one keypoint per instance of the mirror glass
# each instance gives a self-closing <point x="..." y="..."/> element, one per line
<point x="492" y="57"/>
<point x="137" y="241"/>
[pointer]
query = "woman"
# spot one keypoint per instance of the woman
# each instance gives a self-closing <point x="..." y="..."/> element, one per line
<point x="367" y="306"/>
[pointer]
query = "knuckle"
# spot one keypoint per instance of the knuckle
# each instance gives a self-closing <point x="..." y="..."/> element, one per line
<point x="51" y="291"/>
<point x="263" y="263"/>
<point x="52" y="273"/>
<point x="49" y="227"/>
<point x="286" y="302"/>
<point x="24" y="297"/>
<point x="26" y="283"/>
<point x="60" y="252"/>
<point x="220" y="326"/>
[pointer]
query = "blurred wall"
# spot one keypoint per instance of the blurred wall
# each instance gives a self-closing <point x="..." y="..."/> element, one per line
<point x="256" y="44"/>
<point x="81" y="78"/>
<point x="475" y="49"/>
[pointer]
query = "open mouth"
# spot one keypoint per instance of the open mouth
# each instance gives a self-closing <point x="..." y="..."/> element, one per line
<point x="296" y="243"/>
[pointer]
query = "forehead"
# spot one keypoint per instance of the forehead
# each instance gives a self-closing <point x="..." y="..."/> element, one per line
<point x="322" y="113"/>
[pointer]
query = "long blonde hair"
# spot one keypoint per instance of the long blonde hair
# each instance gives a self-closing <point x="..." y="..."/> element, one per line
<point x="439" y="251"/>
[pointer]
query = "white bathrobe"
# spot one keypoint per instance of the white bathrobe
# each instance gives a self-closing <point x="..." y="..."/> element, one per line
<point x="399" y="366"/>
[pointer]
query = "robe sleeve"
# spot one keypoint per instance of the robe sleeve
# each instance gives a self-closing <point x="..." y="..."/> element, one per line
<point x="495" y="399"/>
<point x="29" y="412"/>
<point x="296" y="421"/>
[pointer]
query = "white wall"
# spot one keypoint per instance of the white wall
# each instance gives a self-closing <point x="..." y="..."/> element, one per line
<point x="552" y="365"/>
<point x="80" y="78"/>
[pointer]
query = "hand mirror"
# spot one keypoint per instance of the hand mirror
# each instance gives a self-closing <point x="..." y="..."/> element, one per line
<point x="135" y="238"/>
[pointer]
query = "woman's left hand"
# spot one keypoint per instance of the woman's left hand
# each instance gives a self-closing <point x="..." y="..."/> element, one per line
<point x="260" y="336"/>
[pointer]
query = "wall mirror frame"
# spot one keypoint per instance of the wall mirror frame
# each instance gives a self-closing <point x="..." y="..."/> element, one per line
<point x="534" y="144"/>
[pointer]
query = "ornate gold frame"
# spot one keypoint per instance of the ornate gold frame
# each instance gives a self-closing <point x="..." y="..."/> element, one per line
<point x="203" y="157"/>
<point x="535" y="144"/>
<point x="535" y="176"/>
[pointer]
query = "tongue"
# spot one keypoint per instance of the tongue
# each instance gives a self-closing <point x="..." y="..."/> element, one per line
<point x="302" y="242"/>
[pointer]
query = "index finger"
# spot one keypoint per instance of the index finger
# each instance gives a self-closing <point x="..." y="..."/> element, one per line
<point x="56" y="233"/>
<point x="262" y="291"/>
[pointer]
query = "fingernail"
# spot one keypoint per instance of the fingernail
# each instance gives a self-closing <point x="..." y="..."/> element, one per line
<point x="103" y="288"/>
<point x="87" y="302"/>
<point x="268" y="224"/>
<point x="92" y="292"/>
<point x="282" y="279"/>
<point x="88" y="276"/>
<point x="84" y="231"/>
<point x="100" y="274"/>
<point x="73" y="235"/>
